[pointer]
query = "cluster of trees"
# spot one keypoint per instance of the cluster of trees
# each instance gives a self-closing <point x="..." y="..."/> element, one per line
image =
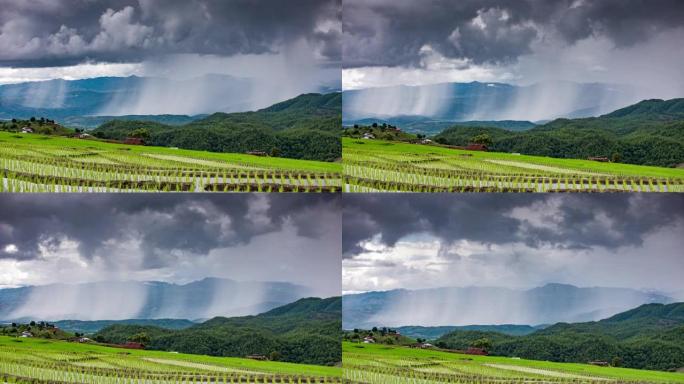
<point x="381" y="131"/>
<point x="380" y="335"/>
<point x="40" y="329"/>
<point x="306" y="127"/>
<point x="38" y="125"/>
<point x="634" y="135"/>
<point x="307" y="331"/>
<point x="649" y="337"/>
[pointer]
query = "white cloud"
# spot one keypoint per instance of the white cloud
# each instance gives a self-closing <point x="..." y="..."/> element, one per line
<point x="11" y="249"/>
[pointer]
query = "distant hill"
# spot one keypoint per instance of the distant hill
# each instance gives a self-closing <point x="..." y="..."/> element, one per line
<point x="60" y="99"/>
<point x="431" y="333"/>
<point x="487" y="101"/>
<point x="650" y="336"/>
<point x="305" y="127"/>
<point x="200" y="299"/>
<point x="650" y="132"/>
<point x="305" y="331"/>
<point x="91" y="122"/>
<point x="548" y="304"/>
<point x="89" y="327"/>
<point x="430" y="126"/>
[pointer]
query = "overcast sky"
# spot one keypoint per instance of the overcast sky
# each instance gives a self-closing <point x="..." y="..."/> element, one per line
<point x="417" y="241"/>
<point x="173" y="238"/>
<point x="636" y="42"/>
<point x="283" y="41"/>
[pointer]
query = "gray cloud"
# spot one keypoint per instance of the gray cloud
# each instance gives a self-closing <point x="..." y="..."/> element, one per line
<point x="66" y="32"/>
<point x="392" y="32"/>
<point x="164" y="225"/>
<point x="563" y="222"/>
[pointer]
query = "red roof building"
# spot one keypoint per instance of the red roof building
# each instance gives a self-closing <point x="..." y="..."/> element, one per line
<point x="476" y="147"/>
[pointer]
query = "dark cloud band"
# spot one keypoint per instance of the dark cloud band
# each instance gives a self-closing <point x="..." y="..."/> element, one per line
<point x="393" y="32"/>
<point x="192" y="224"/>
<point x="63" y="32"/>
<point x="576" y="222"/>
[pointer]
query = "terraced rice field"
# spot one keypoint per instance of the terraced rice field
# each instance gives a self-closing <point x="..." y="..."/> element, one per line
<point x="34" y="361"/>
<point x="34" y="163"/>
<point x="378" y="364"/>
<point x="379" y="166"/>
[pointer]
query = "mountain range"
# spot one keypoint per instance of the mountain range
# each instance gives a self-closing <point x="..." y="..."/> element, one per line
<point x="650" y="336"/>
<point x="453" y="306"/>
<point x="650" y="132"/>
<point x="200" y="299"/>
<point x="305" y="331"/>
<point x="487" y="101"/>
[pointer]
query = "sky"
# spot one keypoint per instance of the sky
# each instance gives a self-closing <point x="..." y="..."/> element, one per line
<point x="405" y="42"/>
<point x="171" y="238"/>
<point x="416" y="241"/>
<point x="287" y="48"/>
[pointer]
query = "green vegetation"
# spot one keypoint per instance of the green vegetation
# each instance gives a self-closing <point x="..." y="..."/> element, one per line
<point x="306" y="127"/>
<point x="39" y="163"/>
<point x="431" y="333"/>
<point x="306" y="331"/>
<point x="385" y="336"/>
<point x="88" y="327"/>
<point x="377" y="165"/>
<point x="382" y="364"/>
<point x="39" y="125"/>
<point x="40" y="361"/>
<point x="648" y="337"/>
<point x="648" y="133"/>
<point x="34" y="329"/>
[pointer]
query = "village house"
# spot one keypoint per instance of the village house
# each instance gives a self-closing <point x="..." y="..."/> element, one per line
<point x="600" y="363"/>
<point x="257" y="153"/>
<point x="368" y="340"/>
<point x="257" y="357"/>
<point x="602" y="159"/>
<point x="426" y="141"/>
<point x="26" y="334"/>
<point x="83" y="136"/>
<point x="134" y="141"/>
<point x="368" y="135"/>
<point x="476" y="147"/>
<point x="476" y="351"/>
<point x="27" y="130"/>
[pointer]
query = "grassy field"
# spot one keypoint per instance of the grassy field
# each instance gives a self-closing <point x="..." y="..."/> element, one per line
<point x="36" y="163"/>
<point x="382" y="364"/>
<point x="37" y="361"/>
<point x="375" y="165"/>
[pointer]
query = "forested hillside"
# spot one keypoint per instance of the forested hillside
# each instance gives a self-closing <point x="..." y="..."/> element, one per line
<point x="306" y="331"/>
<point x="650" y="132"/>
<point x="648" y="337"/>
<point x="306" y="127"/>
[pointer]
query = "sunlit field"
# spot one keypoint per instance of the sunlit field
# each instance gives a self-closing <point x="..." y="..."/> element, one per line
<point x="382" y="364"/>
<point x="38" y="361"/>
<point x="374" y="166"/>
<point x="35" y="163"/>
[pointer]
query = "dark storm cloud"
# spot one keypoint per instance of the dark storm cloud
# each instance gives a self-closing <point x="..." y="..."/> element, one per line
<point x="63" y="32"/>
<point x="164" y="224"/>
<point x="566" y="221"/>
<point x="392" y="32"/>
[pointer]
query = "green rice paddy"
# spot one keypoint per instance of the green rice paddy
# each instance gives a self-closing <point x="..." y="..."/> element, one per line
<point x="377" y="166"/>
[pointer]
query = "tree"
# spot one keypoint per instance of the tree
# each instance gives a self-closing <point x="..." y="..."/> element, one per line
<point x="616" y="362"/>
<point x="442" y="140"/>
<point x="141" y="133"/>
<point x="141" y="338"/>
<point x="616" y="157"/>
<point x="483" y="138"/>
<point x="274" y="356"/>
<point x="275" y="152"/>
<point x="483" y="343"/>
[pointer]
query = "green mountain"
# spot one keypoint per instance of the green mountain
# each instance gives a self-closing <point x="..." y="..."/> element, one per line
<point x="650" y="132"/>
<point x="650" y="336"/>
<point x="305" y="127"/>
<point x="88" y="327"/>
<point x="431" y="333"/>
<point x="306" y="331"/>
